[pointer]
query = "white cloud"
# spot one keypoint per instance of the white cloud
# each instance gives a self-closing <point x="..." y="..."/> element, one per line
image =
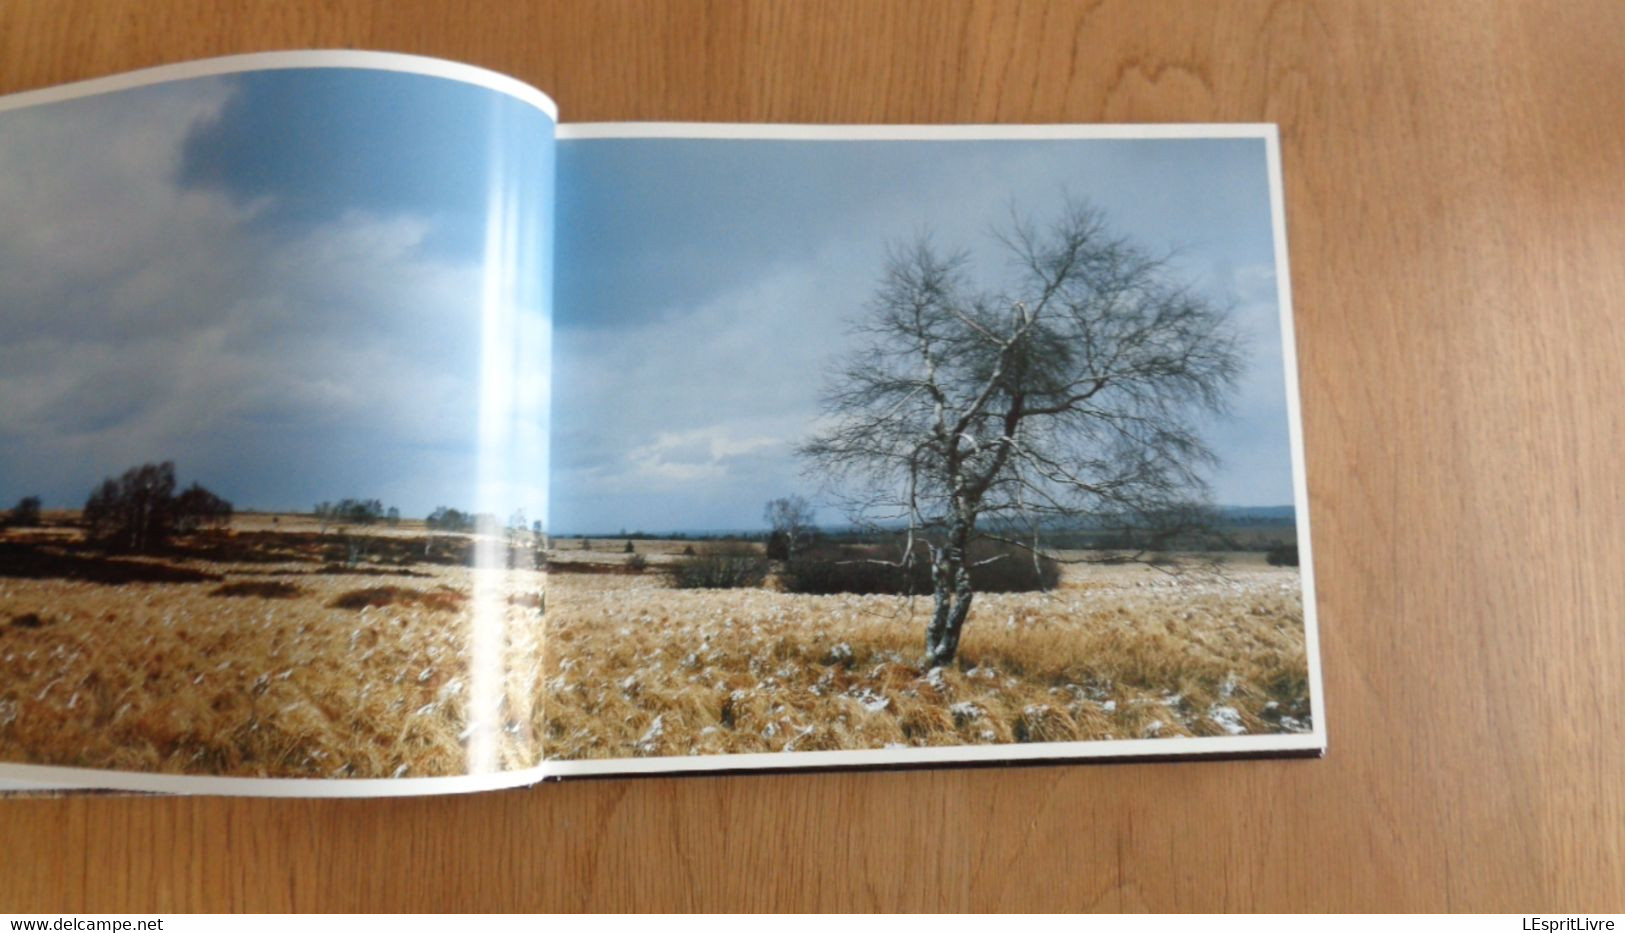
<point x="140" y="319"/>
<point x="707" y="405"/>
<point x="703" y="454"/>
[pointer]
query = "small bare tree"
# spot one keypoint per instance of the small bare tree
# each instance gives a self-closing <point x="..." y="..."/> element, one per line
<point x="790" y="520"/>
<point x="1067" y="395"/>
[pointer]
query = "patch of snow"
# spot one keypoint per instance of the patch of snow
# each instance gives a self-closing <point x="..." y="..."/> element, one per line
<point x="965" y="712"/>
<point x="1153" y="728"/>
<point x="1227" y="718"/>
<point x="870" y="700"/>
<point x="651" y="738"/>
<point x="790" y="746"/>
<point x="1110" y="706"/>
<point x="840" y="654"/>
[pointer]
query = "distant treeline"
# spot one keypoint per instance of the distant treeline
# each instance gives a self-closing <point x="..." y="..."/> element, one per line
<point x="443" y="518"/>
<point x="356" y="512"/>
<point x="1230" y="534"/>
<point x="141" y="510"/>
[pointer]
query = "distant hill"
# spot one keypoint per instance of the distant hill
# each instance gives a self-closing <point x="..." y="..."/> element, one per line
<point x="1259" y="513"/>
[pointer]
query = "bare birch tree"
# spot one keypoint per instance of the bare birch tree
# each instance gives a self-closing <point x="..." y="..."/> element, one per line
<point x="1069" y="393"/>
<point x="790" y="520"/>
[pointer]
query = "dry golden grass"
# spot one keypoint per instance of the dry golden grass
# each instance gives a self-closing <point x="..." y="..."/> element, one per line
<point x="278" y="668"/>
<point x="635" y="668"/>
<point x="255" y="657"/>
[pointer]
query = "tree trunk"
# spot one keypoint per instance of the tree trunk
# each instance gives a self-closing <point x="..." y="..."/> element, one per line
<point x="950" y="578"/>
<point x="948" y="649"/>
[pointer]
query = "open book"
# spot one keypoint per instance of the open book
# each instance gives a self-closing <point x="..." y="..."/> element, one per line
<point x="364" y="430"/>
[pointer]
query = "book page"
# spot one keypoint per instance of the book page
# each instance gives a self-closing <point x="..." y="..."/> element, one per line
<point x="273" y="448"/>
<point x="907" y="445"/>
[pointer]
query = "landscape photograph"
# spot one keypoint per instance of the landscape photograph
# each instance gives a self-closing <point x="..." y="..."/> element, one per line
<point x="901" y="445"/>
<point x="273" y="444"/>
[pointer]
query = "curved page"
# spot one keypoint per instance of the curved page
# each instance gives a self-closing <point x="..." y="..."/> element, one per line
<point x="273" y="443"/>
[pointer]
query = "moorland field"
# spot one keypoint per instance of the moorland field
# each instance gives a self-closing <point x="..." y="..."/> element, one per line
<point x="635" y="667"/>
<point x="280" y="647"/>
<point x="276" y="648"/>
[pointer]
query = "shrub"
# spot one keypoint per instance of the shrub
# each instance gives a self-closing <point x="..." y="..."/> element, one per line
<point x="351" y="512"/>
<point x="1005" y="568"/>
<point x="778" y="543"/>
<point x="849" y="569"/>
<point x="373" y="596"/>
<point x="28" y="620"/>
<point x="722" y="567"/>
<point x="359" y="511"/>
<point x="198" y="508"/>
<point x="864" y="569"/>
<point x="637" y="563"/>
<point x="629" y="548"/>
<point x="778" y="546"/>
<point x="1282" y="555"/>
<point x="262" y="589"/>
<point x="140" y="511"/>
<point x="444" y="518"/>
<point x="25" y="514"/>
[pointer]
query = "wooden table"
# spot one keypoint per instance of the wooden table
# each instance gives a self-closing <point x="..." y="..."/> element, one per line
<point x="1455" y="186"/>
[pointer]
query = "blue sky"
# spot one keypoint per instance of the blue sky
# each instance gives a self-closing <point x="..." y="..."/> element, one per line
<point x="703" y="286"/>
<point x="284" y="281"/>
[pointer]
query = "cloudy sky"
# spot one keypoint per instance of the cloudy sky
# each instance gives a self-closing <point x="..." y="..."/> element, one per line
<point x="298" y="285"/>
<point x="703" y="285"/>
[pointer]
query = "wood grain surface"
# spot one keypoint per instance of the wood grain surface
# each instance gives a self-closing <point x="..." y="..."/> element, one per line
<point x="1455" y="191"/>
